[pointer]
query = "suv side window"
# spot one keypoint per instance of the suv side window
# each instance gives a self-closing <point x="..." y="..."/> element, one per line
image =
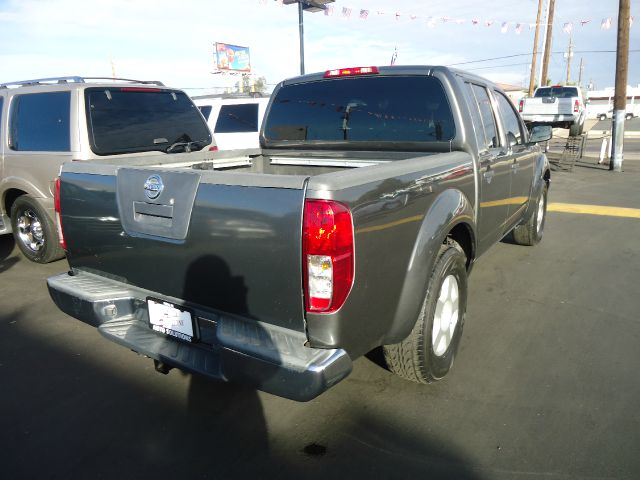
<point x="512" y="127"/>
<point x="242" y="117"/>
<point x="39" y="122"/>
<point x="491" y="139"/>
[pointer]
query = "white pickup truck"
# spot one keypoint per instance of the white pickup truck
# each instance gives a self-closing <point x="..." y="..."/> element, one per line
<point x="557" y="106"/>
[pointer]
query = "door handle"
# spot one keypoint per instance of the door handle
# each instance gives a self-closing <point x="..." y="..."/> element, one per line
<point x="489" y="174"/>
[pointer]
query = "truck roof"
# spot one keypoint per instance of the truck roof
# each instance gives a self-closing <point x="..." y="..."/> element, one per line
<point x="399" y="70"/>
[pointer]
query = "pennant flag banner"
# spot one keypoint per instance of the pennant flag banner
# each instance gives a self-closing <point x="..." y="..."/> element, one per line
<point x="430" y="21"/>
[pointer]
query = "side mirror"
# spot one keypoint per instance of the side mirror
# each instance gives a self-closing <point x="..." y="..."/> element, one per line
<point x="540" y="133"/>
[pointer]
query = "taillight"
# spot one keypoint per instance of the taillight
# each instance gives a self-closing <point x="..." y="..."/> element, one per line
<point x="327" y="255"/>
<point x="56" y="206"/>
<point x="349" y="72"/>
<point x="521" y="106"/>
<point x="576" y="106"/>
<point x="213" y="149"/>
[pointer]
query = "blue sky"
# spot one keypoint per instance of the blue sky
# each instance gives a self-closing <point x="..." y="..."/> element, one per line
<point x="173" y="41"/>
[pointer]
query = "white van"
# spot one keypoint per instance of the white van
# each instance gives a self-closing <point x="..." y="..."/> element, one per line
<point x="234" y="121"/>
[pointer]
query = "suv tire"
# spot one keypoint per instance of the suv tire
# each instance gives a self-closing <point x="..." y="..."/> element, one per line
<point x="427" y="354"/>
<point x="34" y="231"/>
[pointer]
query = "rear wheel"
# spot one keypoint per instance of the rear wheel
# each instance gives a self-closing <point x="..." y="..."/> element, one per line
<point x="530" y="232"/>
<point x="628" y="116"/>
<point x="602" y="117"/>
<point x="428" y="352"/>
<point x="34" y="232"/>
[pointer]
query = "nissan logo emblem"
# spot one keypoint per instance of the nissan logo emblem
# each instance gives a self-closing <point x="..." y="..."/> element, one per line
<point x="153" y="187"/>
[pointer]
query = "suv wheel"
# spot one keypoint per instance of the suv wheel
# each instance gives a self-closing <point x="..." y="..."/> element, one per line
<point x="34" y="232"/>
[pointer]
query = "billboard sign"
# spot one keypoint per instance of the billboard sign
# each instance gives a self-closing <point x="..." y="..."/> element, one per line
<point x="232" y="57"/>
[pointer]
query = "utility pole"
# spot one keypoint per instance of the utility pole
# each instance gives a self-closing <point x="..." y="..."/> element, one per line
<point x="532" y="77"/>
<point x="569" y="55"/>
<point x="301" y="34"/>
<point x="547" y="45"/>
<point x="581" y="71"/>
<point x="546" y="29"/>
<point x="622" y="70"/>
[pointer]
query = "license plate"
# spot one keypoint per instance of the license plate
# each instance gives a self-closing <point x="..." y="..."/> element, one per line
<point x="170" y="319"/>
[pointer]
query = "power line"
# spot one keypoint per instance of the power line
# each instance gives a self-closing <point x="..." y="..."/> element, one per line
<point x="498" y="66"/>
<point x="529" y="54"/>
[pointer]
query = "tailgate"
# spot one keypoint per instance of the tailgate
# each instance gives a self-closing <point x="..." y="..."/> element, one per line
<point x="227" y="242"/>
<point x="548" y="106"/>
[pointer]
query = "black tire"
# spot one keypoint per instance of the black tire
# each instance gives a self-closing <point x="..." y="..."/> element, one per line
<point x="530" y="233"/>
<point x="34" y="231"/>
<point x="628" y="116"/>
<point x="602" y="117"/>
<point x="416" y="358"/>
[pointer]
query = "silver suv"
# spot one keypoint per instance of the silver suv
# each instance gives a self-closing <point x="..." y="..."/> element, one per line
<point x="47" y="122"/>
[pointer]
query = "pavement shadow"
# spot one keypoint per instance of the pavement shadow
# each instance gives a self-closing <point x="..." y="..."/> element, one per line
<point x="7" y="246"/>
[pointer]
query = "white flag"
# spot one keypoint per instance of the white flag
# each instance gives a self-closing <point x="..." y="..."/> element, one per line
<point x="567" y="28"/>
<point x="505" y="27"/>
<point x="606" y="24"/>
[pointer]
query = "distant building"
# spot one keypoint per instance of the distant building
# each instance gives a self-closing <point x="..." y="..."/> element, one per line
<point x="514" y="92"/>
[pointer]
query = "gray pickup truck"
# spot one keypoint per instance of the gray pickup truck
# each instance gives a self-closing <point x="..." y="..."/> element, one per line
<point x="353" y="227"/>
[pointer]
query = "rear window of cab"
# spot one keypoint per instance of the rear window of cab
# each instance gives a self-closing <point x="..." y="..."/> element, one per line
<point x="362" y="109"/>
<point x="132" y="119"/>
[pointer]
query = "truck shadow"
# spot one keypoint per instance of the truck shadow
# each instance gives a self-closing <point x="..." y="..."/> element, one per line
<point x="97" y="411"/>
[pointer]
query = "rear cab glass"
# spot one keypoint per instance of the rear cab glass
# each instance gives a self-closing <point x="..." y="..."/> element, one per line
<point x="374" y="109"/>
<point x="132" y="119"/>
<point x="39" y="122"/>
<point x="556" y="92"/>
<point x="242" y="117"/>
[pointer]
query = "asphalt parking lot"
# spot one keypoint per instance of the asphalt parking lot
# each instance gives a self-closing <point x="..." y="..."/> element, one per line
<point x="546" y="383"/>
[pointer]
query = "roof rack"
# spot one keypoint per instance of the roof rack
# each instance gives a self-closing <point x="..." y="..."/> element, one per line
<point x="75" y="79"/>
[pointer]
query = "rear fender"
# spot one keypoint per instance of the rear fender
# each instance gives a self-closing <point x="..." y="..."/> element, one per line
<point x="450" y="209"/>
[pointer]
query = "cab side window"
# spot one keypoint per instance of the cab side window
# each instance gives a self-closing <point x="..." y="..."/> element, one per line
<point x="510" y="122"/>
<point x="488" y="121"/>
<point x="40" y="122"/>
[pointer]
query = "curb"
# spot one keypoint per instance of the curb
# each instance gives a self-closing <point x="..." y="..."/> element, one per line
<point x="627" y="133"/>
